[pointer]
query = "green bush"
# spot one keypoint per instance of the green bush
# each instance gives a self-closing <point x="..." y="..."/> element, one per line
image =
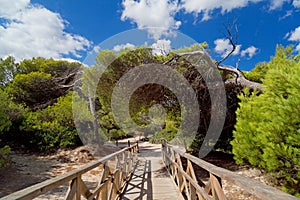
<point x="4" y="156"/>
<point x="168" y="133"/>
<point x="267" y="131"/>
<point x="53" y="126"/>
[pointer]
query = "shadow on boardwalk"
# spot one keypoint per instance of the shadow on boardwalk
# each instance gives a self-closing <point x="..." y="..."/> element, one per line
<point x="150" y="180"/>
<point x="140" y="185"/>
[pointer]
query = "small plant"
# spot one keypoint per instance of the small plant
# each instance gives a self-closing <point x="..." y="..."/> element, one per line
<point x="4" y="156"/>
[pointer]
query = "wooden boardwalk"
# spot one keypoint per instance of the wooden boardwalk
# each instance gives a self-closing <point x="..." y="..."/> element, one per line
<point x="147" y="171"/>
<point x="150" y="179"/>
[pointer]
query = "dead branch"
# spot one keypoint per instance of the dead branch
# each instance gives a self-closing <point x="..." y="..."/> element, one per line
<point x="233" y="39"/>
<point x="239" y="78"/>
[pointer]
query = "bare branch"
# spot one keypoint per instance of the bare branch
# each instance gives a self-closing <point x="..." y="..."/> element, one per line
<point x="233" y="39"/>
<point x="239" y="78"/>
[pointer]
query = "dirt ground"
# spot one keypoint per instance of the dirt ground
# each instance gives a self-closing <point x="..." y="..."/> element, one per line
<point x="28" y="169"/>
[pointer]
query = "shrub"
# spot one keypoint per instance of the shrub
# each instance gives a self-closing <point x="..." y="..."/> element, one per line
<point x="4" y="156"/>
<point x="267" y="131"/>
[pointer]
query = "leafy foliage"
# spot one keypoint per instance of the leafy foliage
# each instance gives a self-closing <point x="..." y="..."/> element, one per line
<point x="267" y="131"/>
<point x="53" y="126"/>
<point x="36" y="108"/>
<point x="9" y="111"/>
<point x="4" y="156"/>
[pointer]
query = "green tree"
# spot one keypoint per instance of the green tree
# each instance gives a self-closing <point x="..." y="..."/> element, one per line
<point x="52" y="127"/>
<point x="267" y="131"/>
<point x="9" y="112"/>
<point x="8" y="69"/>
<point x="31" y="89"/>
<point x="39" y="81"/>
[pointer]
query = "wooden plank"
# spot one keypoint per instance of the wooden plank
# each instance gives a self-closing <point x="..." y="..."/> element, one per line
<point x="84" y="189"/>
<point x="78" y="188"/>
<point x="184" y="184"/>
<point x="98" y="189"/>
<point x="71" y="191"/>
<point x="193" y="182"/>
<point x="217" y="189"/>
<point x="190" y="172"/>
<point x="150" y="179"/>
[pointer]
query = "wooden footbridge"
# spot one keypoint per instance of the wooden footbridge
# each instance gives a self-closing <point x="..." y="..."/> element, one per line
<point x="149" y="172"/>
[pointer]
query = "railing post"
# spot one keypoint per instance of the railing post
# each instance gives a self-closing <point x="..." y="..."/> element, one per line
<point x="78" y="189"/>
<point x="163" y="152"/>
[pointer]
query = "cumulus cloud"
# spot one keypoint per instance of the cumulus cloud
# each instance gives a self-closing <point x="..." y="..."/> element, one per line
<point x="10" y="8"/>
<point x="161" y="13"/>
<point x="120" y="47"/>
<point x="31" y="30"/>
<point x="296" y="3"/>
<point x="157" y="16"/>
<point x="223" y="47"/>
<point x="207" y="6"/>
<point x="250" y="51"/>
<point x="161" y="47"/>
<point x="275" y="4"/>
<point x="294" y="36"/>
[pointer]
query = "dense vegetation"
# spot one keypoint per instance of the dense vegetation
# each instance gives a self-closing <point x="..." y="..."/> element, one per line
<point x="267" y="132"/>
<point x="35" y="111"/>
<point x="262" y="128"/>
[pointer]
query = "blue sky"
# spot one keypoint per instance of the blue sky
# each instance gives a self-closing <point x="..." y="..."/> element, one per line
<point x="70" y="29"/>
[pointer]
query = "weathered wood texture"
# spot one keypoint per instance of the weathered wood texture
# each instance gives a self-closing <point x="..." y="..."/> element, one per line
<point x="110" y="185"/>
<point x="185" y="179"/>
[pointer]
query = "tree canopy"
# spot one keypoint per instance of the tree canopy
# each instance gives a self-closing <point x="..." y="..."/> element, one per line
<point x="267" y="132"/>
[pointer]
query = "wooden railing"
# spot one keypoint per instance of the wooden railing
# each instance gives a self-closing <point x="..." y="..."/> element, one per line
<point x="110" y="185"/>
<point x="188" y="184"/>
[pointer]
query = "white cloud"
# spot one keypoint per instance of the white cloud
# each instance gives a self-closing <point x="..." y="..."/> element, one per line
<point x="157" y="16"/>
<point x="9" y="8"/>
<point x="250" y="51"/>
<point x="294" y="36"/>
<point x="161" y="47"/>
<point x="296" y="3"/>
<point x="223" y="47"/>
<point x="70" y="60"/>
<point x="96" y="48"/>
<point x="298" y="48"/>
<point x="161" y="13"/>
<point x="275" y="4"/>
<point x="207" y="6"/>
<point x="287" y="14"/>
<point x="123" y="46"/>
<point x="32" y="30"/>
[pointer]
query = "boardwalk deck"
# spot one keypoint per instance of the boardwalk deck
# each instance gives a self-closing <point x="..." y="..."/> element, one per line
<point x="150" y="180"/>
<point x="123" y="175"/>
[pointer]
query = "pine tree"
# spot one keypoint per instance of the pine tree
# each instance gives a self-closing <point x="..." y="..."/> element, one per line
<point x="267" y="132"/>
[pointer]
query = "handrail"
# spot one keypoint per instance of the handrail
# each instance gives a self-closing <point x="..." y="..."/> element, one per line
<point x="187" y="182"/>
<point x="111" y="182"/>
